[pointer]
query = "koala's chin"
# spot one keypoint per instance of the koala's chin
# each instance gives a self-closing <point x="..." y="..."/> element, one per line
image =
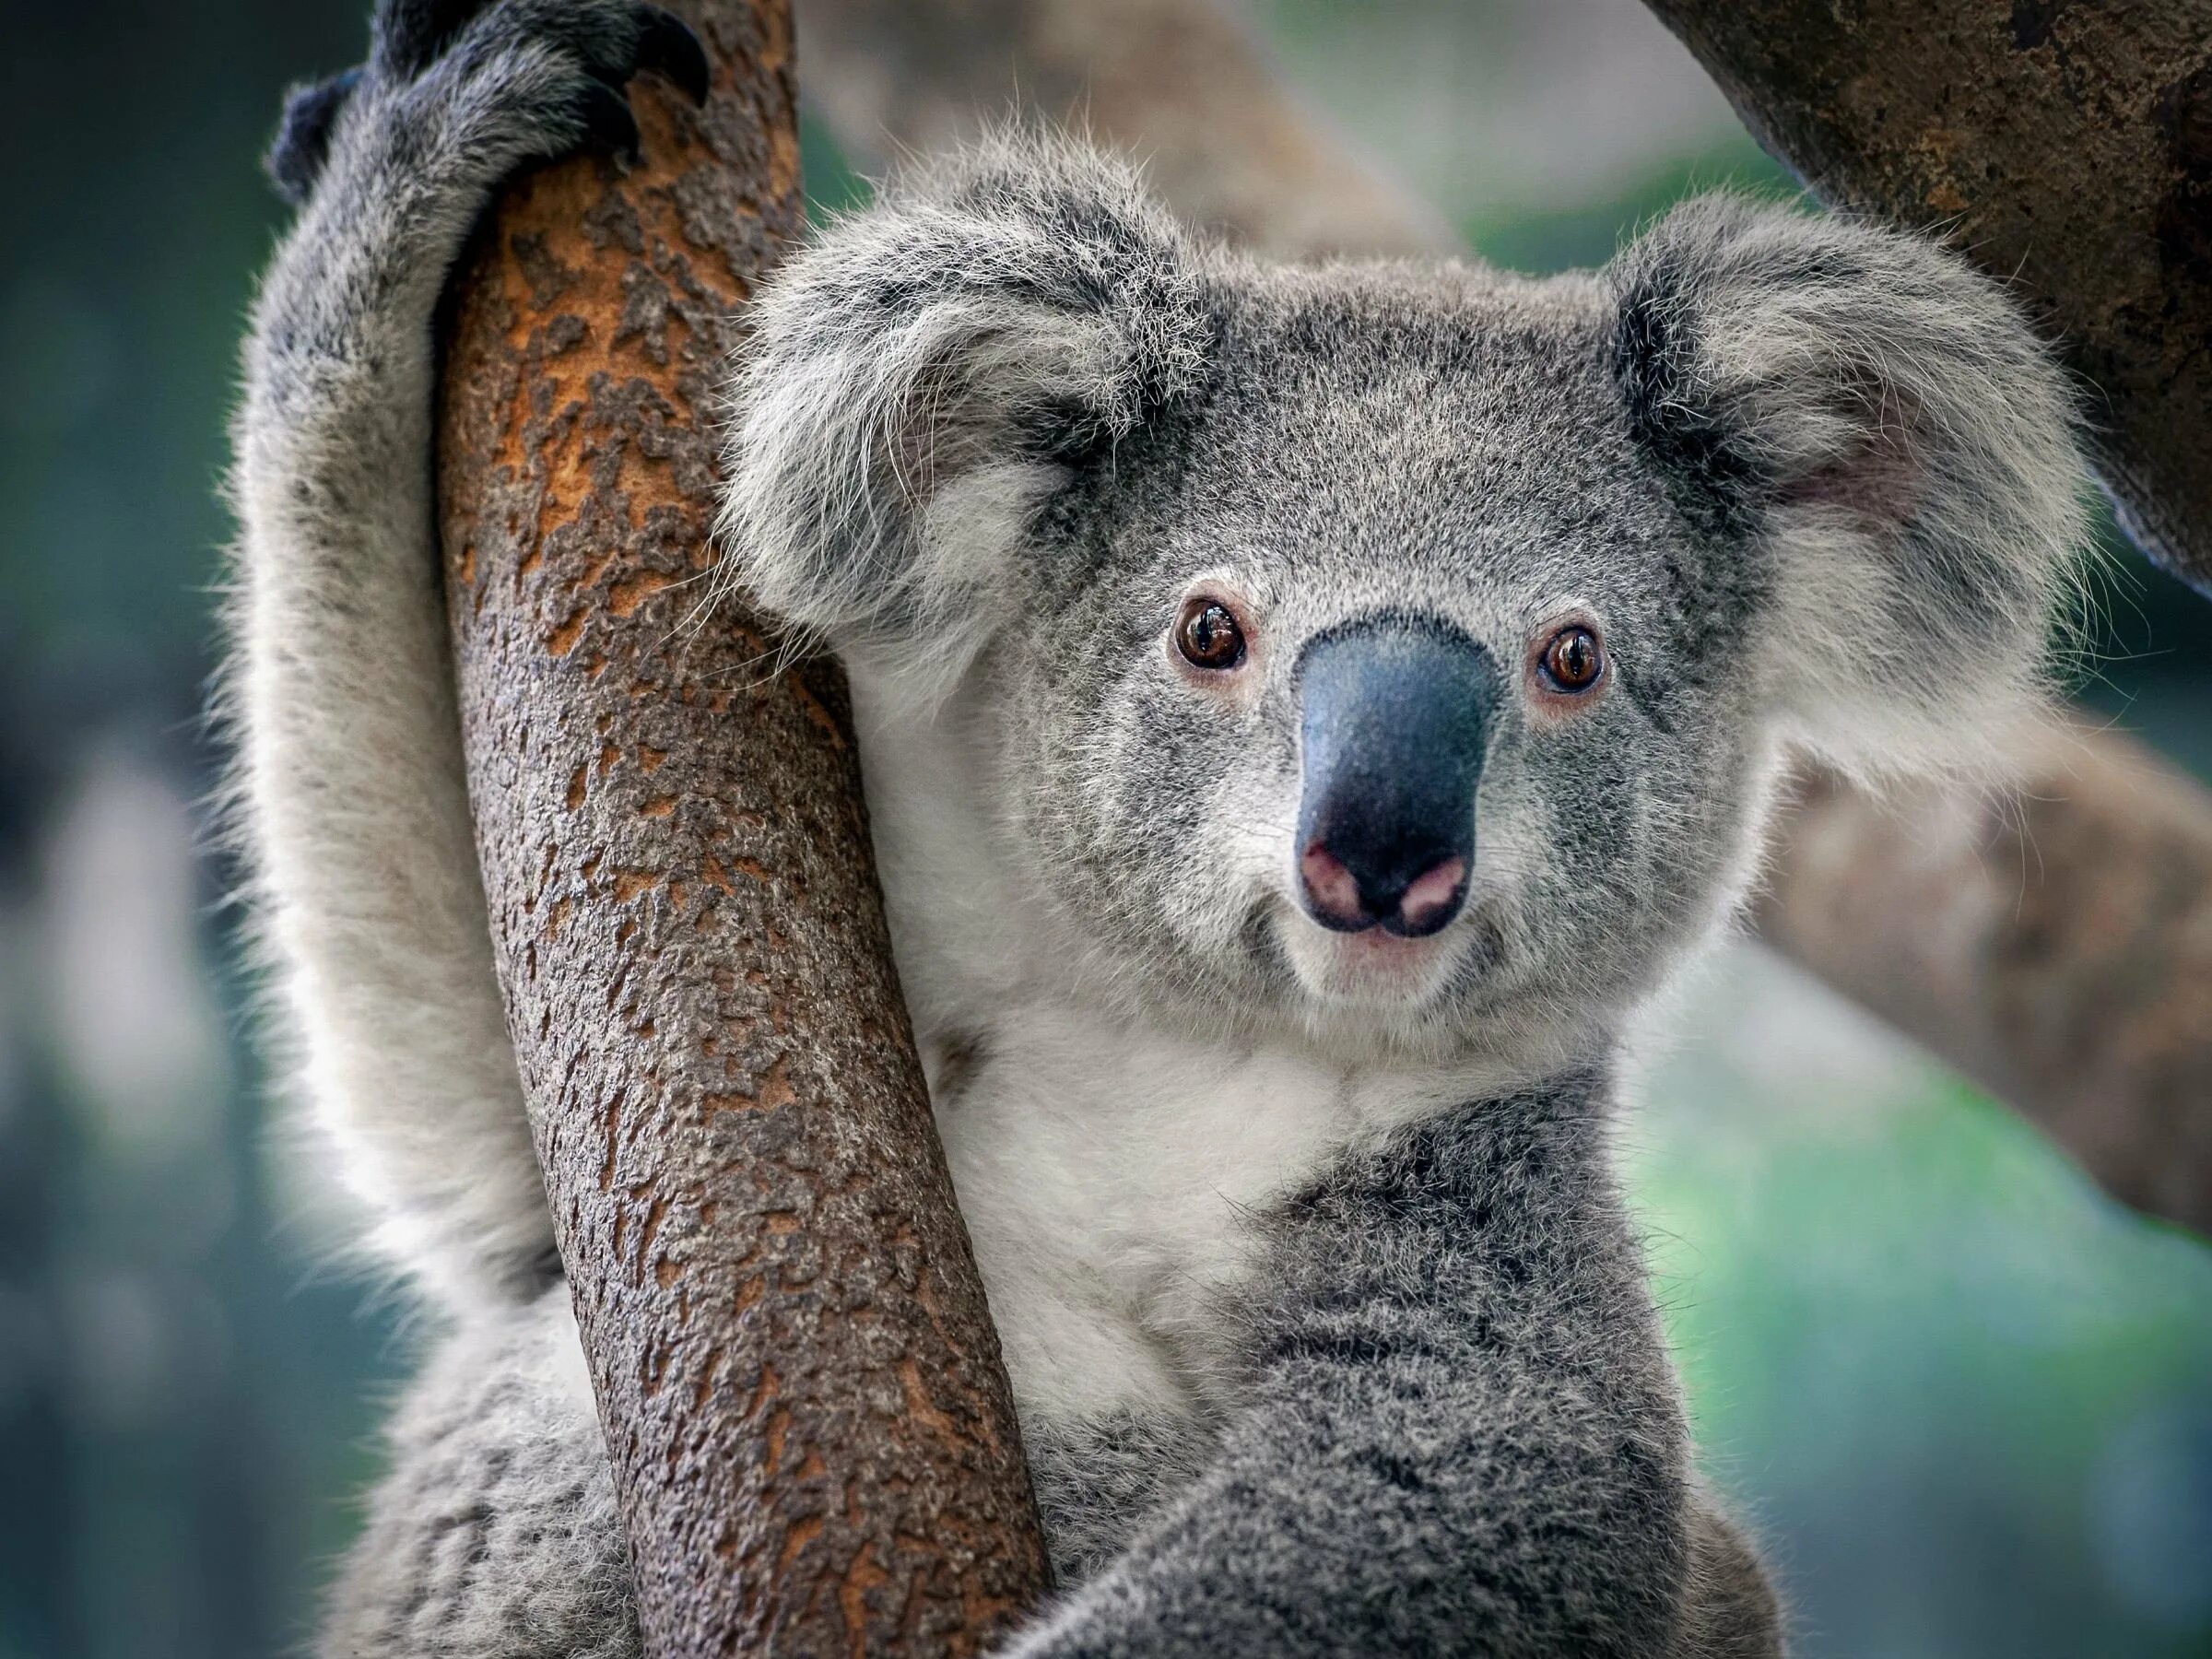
<point x="1452" y="996"/>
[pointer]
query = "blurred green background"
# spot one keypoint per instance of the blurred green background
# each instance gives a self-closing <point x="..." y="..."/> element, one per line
<point x="1969" y="1401"/>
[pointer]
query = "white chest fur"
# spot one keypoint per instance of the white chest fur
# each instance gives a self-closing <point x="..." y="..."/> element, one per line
<point x="1107" y="1167"/>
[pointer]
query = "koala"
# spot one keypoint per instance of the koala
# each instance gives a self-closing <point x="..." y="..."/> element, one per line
<point x="1309" y="714"/>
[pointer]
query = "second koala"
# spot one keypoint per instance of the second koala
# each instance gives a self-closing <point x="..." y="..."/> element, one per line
<point x="1306" y="712"/>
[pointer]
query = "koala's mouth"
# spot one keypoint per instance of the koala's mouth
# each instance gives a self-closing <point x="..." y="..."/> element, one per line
<point x="1372" y="968"/>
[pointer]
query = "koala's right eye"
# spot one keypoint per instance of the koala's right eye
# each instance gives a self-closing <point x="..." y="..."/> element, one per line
<point x="1573" y="659"/>
<point x="1208" y="635"/>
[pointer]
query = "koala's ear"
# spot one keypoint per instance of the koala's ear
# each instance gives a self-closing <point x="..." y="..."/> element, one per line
<point x="1875" y="426"/>
<point x="924" y="377"/>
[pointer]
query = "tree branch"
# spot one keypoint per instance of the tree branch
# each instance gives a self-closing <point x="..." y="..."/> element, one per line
<point x="2080" y="998"/>
<point x="809" y="1424"/>
<point x="2055" y="944"/>
<point x="1178" y="82"/>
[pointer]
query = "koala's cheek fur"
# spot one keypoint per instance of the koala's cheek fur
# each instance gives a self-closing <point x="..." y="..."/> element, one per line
<point x="1156" y="816"/>
<point x="1641" y="842"/>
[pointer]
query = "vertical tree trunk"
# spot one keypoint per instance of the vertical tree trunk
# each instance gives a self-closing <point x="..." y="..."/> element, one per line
<point x="808" y="1419"/>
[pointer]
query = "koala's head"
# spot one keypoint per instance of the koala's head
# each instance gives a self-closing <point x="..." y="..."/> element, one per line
<point x="1395" y="649"/>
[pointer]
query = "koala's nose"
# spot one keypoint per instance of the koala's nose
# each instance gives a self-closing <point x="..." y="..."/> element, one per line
<point x="1394" y="715"/>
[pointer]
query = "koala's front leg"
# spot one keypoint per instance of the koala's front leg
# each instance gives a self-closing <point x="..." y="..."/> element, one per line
<point x="1463" y="1435"/>
<point x="352" y="790"/>
<point x="495" y="1533"/>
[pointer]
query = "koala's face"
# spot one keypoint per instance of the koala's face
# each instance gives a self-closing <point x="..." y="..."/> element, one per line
<point x="1382" y="684"/>
<point x="1397" y="653"/>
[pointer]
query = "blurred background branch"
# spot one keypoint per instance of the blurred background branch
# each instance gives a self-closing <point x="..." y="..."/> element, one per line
<point x="1181" y="82"/>
<point x="2116" y="1065"/>
<point x="2054" y="944"/>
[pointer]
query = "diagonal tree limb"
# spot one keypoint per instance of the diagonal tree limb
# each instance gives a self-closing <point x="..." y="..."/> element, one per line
<point x="808" y="1420"/>
<point x="2083" y="1001"/>
<point x="1181" y="84"/>
<point x="2054" y="944"/>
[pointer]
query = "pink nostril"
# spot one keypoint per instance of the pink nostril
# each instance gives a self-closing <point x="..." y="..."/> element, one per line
<point x="1332" y="888"/>
<point x="1433" y="896"/>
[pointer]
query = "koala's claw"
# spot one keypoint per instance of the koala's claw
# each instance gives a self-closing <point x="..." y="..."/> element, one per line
<point x="667" y="46"/>
<point x="607" y="121"/>
<point x="408" y="35"/>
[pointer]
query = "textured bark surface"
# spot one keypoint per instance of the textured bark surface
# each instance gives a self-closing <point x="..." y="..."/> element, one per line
<point x="2063" y="145"/>
<point x="803" y="1400"/>
<point x="2060" y="956"/>
<point x="2081" y="999"/>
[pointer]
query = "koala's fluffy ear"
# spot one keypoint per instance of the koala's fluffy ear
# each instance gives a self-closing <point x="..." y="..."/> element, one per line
<point x="925" y="377"/>
<point x="1874" y="423"/>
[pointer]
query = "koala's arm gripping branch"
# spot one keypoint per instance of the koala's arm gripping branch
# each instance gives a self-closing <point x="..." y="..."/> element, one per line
<point x="2125" y="1091"/>
<point x="809" y="1424"/>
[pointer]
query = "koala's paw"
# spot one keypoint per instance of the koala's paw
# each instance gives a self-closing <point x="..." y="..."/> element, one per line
<point x="302" y="142"/>
<point x="535" y="75"/>
<point x="474" y="89"/>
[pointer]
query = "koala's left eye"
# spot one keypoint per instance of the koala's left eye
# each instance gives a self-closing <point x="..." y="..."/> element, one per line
<point x="1208" y="637"/>
<point x="1573" y="659"/>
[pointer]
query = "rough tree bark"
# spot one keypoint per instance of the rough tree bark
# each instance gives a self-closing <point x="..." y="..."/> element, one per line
<point x="2065" y="146"/>
<point x="802" y="1397"/>
<point x="2082" y="1003"/>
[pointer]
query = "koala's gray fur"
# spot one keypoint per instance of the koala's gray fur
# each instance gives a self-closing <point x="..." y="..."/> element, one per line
<point x="496" y="1533"/>
<point x="1326" y="1319"/>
